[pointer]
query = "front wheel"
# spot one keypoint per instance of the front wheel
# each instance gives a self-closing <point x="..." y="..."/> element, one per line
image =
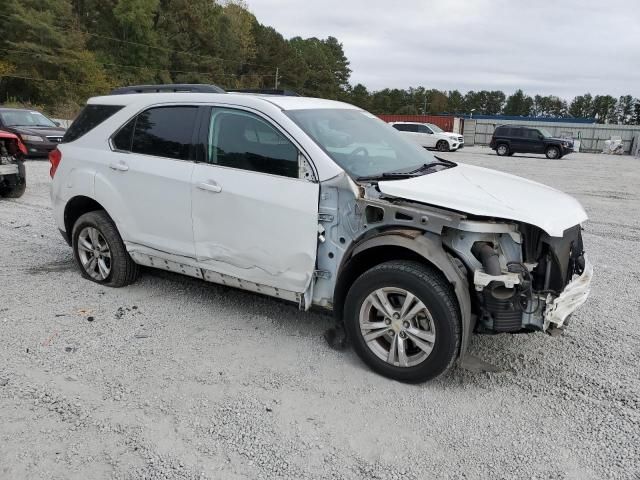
<point x="403" y="320"/>
<point x="552" y="153"/>
<point x="442" y="146"/>
<point x="100" y="252"/>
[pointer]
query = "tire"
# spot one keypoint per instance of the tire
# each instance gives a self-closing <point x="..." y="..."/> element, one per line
<point x="437" y="325"/>
<point x="502" y="149"/>
<point x="552" y="153"/>
<point x="15" y="185"/>
<point x="118" y="268"/>
<point x="442" y="146"/>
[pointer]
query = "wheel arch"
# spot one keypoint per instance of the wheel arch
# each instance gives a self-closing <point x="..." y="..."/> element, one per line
<point x="423" y="247"/>
<point x="75" y="208"/>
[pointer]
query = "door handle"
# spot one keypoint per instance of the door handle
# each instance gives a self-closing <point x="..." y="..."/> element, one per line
<point x="210" y="186"/>
<point x="121" y="166"/>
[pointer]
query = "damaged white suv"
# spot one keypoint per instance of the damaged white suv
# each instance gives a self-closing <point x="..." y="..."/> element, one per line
<point x="320" y="203"/>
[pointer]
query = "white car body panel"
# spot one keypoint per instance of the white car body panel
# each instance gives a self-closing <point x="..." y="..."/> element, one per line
<point x="258" y="227"/>
<point x="489" y="193"/>
<point x="150" y="201"/>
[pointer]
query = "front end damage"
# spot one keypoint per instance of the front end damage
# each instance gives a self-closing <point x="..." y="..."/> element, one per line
<point x="12" y="171"/>
<point x="523" y="280"/>
<point x="509" y="276"/>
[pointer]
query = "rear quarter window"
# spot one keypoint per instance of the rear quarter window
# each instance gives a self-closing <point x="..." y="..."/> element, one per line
<point x="89" y="118"/>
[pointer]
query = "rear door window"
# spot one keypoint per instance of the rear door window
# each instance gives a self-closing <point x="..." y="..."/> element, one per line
<point x="164" y="132"/>
<point x="89" y="118"/>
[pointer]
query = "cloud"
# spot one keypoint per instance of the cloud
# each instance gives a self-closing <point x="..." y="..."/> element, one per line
<point x="564" y="48"/>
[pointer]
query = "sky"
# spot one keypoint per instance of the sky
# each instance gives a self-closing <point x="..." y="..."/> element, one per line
<point x="561" y="47"/>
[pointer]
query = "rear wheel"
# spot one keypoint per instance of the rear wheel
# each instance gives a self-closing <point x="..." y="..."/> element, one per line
<point x="502" y="149"/>
<point x="552" y="153"/>
<point x="403" y="320"/>
<point x="442" y="146"/>
<point x="100" y="252"/>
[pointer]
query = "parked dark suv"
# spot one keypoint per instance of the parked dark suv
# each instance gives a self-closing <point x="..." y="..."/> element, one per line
<point x="39" y="133"/>
<point x="510" y="139"/>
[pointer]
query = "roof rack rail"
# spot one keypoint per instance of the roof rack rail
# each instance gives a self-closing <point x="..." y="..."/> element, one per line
<point x="169" y="87"/>
<point x="265" y="91"/>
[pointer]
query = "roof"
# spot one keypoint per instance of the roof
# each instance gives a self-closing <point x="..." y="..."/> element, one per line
<point x="283" y="102"/>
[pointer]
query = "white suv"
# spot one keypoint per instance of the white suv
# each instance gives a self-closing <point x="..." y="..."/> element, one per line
<point x="430" y="136"/>
<point x="320" y="203"/>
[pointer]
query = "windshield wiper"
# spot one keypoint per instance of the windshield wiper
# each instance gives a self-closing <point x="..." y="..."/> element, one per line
<point x="440" y="162"/>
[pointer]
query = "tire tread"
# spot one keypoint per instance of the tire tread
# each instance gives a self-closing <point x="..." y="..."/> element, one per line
<point x="124" y="270"/>
<point x="439" y="286"/>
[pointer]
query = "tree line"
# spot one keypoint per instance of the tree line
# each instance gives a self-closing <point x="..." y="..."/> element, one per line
<point x="56" y="53"/>
<point x="603" y="108"/>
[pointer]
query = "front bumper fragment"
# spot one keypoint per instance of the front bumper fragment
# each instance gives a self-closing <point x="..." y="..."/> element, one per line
<point x="573" y="295"/>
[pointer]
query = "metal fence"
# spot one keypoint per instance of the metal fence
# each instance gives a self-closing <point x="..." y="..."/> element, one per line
<point x="592" y="137"/>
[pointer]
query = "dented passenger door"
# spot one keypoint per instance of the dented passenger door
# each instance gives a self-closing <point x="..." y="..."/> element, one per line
<point x="255" y="209"/>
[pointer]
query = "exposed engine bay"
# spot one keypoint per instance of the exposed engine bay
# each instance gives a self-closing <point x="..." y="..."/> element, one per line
<point x="523" y="279"/>
<point x="12" y="171"/>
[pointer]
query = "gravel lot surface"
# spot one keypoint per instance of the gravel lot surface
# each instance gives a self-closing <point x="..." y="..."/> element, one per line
<point x="176" y="378"/>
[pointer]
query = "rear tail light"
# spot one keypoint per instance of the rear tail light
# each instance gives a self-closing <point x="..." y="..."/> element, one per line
<point x="55" y="157"/>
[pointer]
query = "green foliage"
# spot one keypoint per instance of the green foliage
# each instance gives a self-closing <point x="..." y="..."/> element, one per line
<point x="518" y="104"/>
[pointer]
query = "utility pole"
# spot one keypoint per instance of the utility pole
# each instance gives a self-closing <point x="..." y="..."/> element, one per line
<point x="277" y="72"/>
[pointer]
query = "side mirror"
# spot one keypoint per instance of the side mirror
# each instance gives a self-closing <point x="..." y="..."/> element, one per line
<point x="56" y="123"/>
<point x="540" y="137"/>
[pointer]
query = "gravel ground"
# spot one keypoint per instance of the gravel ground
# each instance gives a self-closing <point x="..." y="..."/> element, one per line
<point x="176" y="378"/>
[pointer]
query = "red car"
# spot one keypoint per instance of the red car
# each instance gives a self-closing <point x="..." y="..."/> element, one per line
<point x="13" y="180"/>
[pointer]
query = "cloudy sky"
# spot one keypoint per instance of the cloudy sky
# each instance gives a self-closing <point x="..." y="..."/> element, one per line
<point x="561" y="47"/>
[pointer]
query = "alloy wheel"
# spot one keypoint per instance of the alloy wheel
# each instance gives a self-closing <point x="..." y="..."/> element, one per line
<point x="94" y="253"/>
<point x="397" y="327"/>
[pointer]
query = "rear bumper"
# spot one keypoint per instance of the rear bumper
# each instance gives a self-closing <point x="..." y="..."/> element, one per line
<point x="574" y="295"/>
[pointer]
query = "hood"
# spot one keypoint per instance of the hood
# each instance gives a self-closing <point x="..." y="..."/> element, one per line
<point x="559" y="140"/>
<point x="490" y="193"/>
<point x="42" y="131"/>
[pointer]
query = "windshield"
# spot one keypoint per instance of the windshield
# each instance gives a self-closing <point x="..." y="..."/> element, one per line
<point x="362" y="144"/>
<point x="24" y="118"/>
<point x="435" y="128"/>
<point x="545" y="133"/>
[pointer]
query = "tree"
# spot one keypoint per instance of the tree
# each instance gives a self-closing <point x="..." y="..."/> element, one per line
<point x="518" y="104"/>
<point x="455" y="102"/>
<point x="582" y="106"/>
<point x="624" y="110"/>
<point x="40" y="41"/>
<point x="360" y="96"/>
<point x="604" y="108"/>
